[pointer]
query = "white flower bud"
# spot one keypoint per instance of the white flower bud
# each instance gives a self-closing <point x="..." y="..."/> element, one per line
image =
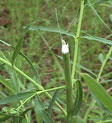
<point x="65" y="48"/>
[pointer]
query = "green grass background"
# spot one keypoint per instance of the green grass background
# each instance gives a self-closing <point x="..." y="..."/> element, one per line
<point x="16" y="14"/>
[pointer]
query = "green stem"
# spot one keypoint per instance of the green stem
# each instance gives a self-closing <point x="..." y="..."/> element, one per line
<point x="98" y="79"/>
<point x="33" y="81"/>
<point x="77" y="40"/>
<point x="40" y="92"/>
<point x="103" y="65"/>
<point x="51" y="89"/>
<point x="68" y="80"/>
<point x="88" y="111"/>
<point x="26" y="101"/>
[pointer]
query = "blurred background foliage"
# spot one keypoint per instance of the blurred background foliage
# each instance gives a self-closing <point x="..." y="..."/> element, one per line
<point x="17" y="14"/>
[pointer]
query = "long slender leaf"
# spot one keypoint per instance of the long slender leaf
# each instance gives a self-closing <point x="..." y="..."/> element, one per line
<point x="54" y="56"/>
<point x="99" y="91"/>
<point x="56" y="94"/>
<point x="17" y="49"/>
<point x="7" y="44"/>
<point x="27" y="59"/>
<point x="100" y="2"/>
<point x="15" y="98"/>
<point x="100" y="104"/>
<point x="37" y="78"/>
<point x="92" y="7"/>
<point x="14" y="78"/>
<point x="106" y="121"/>
<point x="2" y="94"/>
<point x="56" y="30"/>
<point x="40" y="109"/>
<point x="99" y="39"/>
<point x="19" y="45"/>
<point x="79" y="97"/>
<point x="6" y="84"/>
<point x="86" y="69"/>
<point x="81" y="66"/>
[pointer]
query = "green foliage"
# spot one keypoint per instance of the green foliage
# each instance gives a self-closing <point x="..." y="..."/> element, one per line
<point x="79" y="98"/>
<point x="98" y="90"/>
<point x="31" y="63"/>
<point x="15" y="98"/>
<point x="41" y="111"/>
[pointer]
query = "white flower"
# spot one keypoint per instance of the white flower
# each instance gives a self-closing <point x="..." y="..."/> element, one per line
<point x="65" y="48"/>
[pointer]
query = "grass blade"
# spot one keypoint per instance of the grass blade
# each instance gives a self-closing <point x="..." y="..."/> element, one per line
<point x="100" y="2"/>
<point x="40" y="109"/>
<point x="37" y="78"/>
<point x="99" y="39"/>
<point x="86" y="69"/>
<point x="15" y="98"/>
<point x="7" y="44"/>
<point x="56" y="94"/>
<point x="19" y="45"/>
<point x="17" y="49"/>
<point x="27" y="59"/>
<point x="99" y="91"/>
<point x="6" y="84"/>
<point x="56" y="30"/>
<point x="14" y="78"/>
<point x="54" y="56"/>
<point x="91" y="6"/>
<point x="100" y="104"/>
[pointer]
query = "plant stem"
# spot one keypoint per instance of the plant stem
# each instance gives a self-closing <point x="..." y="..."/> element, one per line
<point x="89" y="109"/>
<point x="52" y="89"/>
<point x="77" y="40"/>
<point x="33" y="81"/>
<point x="40" y="92"/>
<point x="92" y="103"/>
<point x="26" y="101"/>
<point x="67" y="71"/>
<point x="103" y="65"/>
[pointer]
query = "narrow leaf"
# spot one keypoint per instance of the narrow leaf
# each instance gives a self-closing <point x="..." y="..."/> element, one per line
<point x="6" y="84"/>
<point x="96" y="13"/>
<point x="99" y="91"/>
<point x="100" y="104"/>
<point x="86" y="69"/>
<point x="100" y="1"/>
<point x="56" y="30"/>
<point x="54" y="56"/>
<point x="79" y="97"/>
<point x="15" y="98"/>
<point x="19" y="46"/>
<point x="56" y="94"/>
<point x="99" y="39"/>
<point x="32" y="67"/>
<point x="40" y="109"/>
<point x="26" y="58"/>
<point x="7" y="44"/>
<point x="17" y="49"/>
